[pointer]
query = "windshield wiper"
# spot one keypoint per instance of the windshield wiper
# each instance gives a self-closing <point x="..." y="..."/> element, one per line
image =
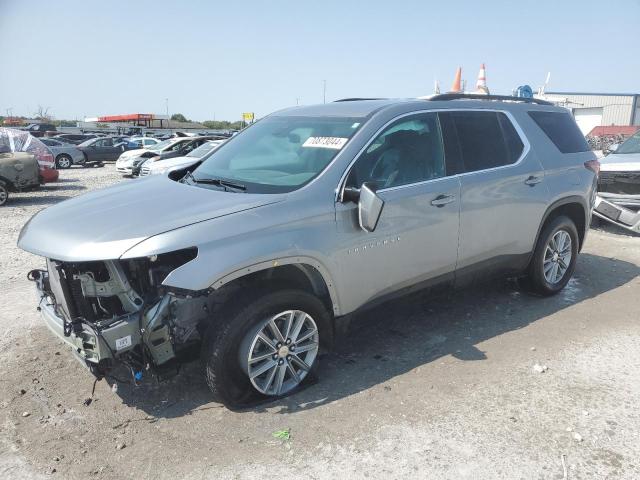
<point x="226" y="184"/>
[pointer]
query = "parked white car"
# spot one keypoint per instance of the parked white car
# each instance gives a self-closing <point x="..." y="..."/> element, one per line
<point x="158" y="167"/>
<point x="125" y="162"/>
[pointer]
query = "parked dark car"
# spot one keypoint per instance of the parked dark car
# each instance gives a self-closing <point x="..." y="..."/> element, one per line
<point x="75" y="138"/>
<point x="105" y="149"/>
<point x="40" y="129"/>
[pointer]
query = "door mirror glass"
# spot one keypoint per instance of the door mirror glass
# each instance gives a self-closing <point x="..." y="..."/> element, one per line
<point x="369" y="207"/>
<point x="5" y="149"/>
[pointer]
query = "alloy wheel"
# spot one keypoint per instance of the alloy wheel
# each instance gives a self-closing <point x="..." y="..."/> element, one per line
<point x="4" y="195"/>
<point x="281" y="352"/>
<point x="557" y="257"/>
<point x="64" y="162"/>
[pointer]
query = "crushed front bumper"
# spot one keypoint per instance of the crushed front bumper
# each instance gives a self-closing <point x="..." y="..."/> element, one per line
<point x="94" y="344"/>
<point x="619" y="209"/>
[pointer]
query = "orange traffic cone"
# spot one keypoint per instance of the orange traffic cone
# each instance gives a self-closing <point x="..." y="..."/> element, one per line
<point x="481" y="86"/>
<point x="456" y="81"/>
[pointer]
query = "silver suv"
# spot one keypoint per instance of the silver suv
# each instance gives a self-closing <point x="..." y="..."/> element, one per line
<point x="259" y="254"/>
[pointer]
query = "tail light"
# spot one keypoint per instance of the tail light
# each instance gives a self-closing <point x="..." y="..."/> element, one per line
<point x="593" y="165"/>
<point x="45" y="160"/>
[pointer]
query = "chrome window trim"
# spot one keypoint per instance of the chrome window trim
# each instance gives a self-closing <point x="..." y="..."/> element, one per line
<point x="523" y="138"/>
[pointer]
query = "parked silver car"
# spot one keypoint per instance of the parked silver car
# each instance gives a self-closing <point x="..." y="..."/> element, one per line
<point x="262" y="252"/>
<point x="65" y="154"/>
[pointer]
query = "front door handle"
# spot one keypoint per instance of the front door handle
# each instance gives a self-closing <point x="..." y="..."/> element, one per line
<point x="441" y="200"/>
<point x="533" y="180"/>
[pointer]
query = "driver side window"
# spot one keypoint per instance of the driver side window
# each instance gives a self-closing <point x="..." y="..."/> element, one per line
<point x="408" y="151"/>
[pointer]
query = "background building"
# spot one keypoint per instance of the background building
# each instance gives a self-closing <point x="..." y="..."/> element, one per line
<point x="599" y="109"/>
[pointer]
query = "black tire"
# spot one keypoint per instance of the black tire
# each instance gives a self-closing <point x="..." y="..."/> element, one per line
<point x="536" y="280"/>
<point x="63" y="161"/>
<point x="4" y="193"/>
<point x="224" y="374"/>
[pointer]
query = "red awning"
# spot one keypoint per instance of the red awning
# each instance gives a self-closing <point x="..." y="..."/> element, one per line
<point x="613" y="130"/>
<point x="132" y="117"/>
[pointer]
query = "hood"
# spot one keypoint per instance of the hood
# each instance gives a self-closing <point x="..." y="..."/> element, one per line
<point x="104" y="224"/>
<point x="621" y="162"/>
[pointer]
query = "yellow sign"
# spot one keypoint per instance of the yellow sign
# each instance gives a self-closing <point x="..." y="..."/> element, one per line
<point x="247" y="116"/>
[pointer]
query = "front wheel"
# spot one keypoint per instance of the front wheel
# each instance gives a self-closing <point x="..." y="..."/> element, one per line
<point x="554" y="258"/>
<point x="266" y="348"/>
<point x="63" y="161"/>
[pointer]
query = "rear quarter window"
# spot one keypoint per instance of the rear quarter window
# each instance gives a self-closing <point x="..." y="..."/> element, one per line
<point x="562" y="130"/>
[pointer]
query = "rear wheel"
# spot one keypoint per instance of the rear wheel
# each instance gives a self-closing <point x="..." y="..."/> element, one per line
<point x="554" y="258"/>
<point x="63" y="161"/>
<point x="4" y="193"/>
<point x="266" y="348"/>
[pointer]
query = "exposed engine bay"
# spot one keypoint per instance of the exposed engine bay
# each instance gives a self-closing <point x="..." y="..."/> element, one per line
<point x="117" y="312"/>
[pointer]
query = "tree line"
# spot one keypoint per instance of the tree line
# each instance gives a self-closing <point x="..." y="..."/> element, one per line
<point x="211" y="124"/>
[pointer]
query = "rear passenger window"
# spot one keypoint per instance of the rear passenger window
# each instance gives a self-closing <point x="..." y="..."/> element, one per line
<point x="485" y="139"/>
<point x="562" y="130"/>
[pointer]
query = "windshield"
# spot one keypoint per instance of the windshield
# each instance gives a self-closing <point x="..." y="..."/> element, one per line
<point x="630" y="145"/>
<point x="279" y="154"/>
<point x="161" y="146"/>
<point x="202" y="150"/>
<point x="86" y="143"/>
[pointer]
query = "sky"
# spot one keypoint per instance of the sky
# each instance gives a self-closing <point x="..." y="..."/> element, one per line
<point x="217" y="59"/>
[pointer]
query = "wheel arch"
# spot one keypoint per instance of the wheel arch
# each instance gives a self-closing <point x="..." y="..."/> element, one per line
<point x="9" y="184"/>
<point x="300" y="272"/>
<point x="575" y="208"/>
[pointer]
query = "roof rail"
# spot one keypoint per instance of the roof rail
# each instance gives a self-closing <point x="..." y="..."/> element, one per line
<point x="479" y="96"/>
<point x="355" y="99"/>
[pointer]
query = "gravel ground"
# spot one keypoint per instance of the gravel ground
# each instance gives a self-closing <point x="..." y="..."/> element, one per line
<point x="423" y="388"/>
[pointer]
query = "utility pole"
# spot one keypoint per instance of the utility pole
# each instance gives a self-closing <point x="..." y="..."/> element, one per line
<point x="166" y="104"/>
<point x="297" y="101"/>
<point x="324" y="91"/>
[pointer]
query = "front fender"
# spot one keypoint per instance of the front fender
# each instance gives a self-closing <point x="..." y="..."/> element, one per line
<point x="235" y="245"/>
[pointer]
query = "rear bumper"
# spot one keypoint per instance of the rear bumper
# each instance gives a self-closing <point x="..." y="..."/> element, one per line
<point x="48" y="175"/>
<point x="621" y="210"/>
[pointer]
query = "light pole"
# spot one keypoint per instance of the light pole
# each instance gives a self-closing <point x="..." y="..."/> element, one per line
<point x="166" y="104"/>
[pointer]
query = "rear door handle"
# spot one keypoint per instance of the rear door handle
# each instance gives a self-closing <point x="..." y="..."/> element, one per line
<point x="533" y="180"/>
<point x="442" y="200"/>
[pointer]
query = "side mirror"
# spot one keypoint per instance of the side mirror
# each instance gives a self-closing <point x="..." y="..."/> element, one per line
<point x="5" y="149"/>
<point x="612" y="148"/>
<point x="369" y="204"/>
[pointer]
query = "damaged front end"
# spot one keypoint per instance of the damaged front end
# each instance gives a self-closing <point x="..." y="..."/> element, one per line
<point x="117" y="312"/>
<point x="618" y="199"/>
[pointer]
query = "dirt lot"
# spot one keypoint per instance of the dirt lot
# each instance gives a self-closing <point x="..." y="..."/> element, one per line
<point x="422" y="389"/>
